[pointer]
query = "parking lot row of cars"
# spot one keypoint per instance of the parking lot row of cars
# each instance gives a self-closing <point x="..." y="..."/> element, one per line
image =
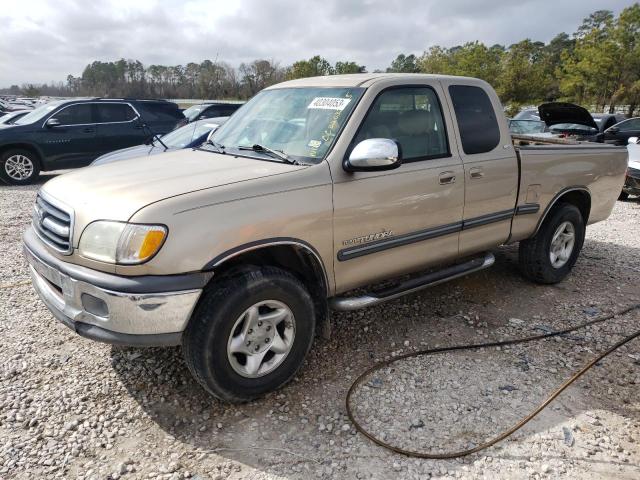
<point x="74" y="133"/>
<point x="566" y="120"/>
<point x="39" y="135"/>
<point x="569" y="120"/>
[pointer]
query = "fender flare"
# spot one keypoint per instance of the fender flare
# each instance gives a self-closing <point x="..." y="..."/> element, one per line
<point x="268" y="242"/>
<point x="554" y="201"/>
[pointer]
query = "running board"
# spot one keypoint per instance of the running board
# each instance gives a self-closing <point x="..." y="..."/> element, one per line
<point x="412" y="285"/>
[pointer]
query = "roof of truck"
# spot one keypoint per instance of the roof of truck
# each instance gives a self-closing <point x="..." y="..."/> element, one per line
<point x="362" y="79"/>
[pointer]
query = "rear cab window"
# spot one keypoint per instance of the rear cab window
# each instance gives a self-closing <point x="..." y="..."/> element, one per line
<point x="477" y="122"/>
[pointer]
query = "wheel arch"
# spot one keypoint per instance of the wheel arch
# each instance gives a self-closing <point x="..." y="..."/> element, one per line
<point x="24" y="146"/>
<point x="293" y="255"/>
<point x="578" y="196"/>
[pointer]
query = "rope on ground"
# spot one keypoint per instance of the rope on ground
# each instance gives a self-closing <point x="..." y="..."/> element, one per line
<point x="517" y="426"/>
<point x="14" y="285"/>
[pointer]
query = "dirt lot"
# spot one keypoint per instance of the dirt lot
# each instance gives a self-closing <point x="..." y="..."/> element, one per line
<point x="71" y="408"/>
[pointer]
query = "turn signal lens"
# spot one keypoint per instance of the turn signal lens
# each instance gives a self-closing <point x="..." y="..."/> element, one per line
<point x="138" y="243"/>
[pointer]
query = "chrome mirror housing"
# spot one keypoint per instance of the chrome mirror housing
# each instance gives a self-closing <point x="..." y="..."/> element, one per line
<point x="53" y="122"/>
<point x="374" y="154"/>
<point x="632" y="140"/>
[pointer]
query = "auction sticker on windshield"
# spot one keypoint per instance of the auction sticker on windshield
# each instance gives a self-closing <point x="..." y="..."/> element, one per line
<point x="329" y="103"/>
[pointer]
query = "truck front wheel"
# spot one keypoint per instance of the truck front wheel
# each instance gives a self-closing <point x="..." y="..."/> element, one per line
<point x="549" y="256"/>
<point x="249" y="334"/>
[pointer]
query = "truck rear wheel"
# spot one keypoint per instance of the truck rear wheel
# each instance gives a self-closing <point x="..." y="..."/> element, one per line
<point x="549" y="256"/>
<point x="249" y="334"/>
<point x="19" y="167"/>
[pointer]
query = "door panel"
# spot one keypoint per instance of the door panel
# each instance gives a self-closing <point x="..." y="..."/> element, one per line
<point x="118" y="127"/>
<point x="397" y="205"/>
<point x="490" y="167"/>
<point x="399" y="221"/>
<point x="72" y="143"/>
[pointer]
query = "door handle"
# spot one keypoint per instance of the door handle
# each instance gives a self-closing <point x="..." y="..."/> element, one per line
<point x="88" y="130"/>
<point x="447" y="178"/>
<point x="476" y="172"/>
<point x="139" y="127"/>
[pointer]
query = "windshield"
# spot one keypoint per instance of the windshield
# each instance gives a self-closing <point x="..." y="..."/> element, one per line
<point x="183" y="136"/>
<point x="303" y="123"/>
<point x="192" y="112"/>
<point x="38" y="113"/>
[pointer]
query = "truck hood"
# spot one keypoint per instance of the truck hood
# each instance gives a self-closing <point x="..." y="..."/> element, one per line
<point x="560" y="112"/>
<point x="125" y="154"/>
<point x="115" y="191"/>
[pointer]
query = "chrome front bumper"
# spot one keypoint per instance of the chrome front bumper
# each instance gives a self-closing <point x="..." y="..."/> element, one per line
<point x="140" y="319"/>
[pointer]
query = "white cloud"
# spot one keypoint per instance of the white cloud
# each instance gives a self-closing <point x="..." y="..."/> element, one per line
<point x="45" y="41"/>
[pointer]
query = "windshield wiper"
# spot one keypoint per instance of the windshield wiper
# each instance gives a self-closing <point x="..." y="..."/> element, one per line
<point x="218" y="146"/>
<point x="274" y="153"/>
<point x="157" y="137"/>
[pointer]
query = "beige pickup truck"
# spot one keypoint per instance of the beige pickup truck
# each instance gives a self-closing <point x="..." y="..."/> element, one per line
<point x="238" y="250"/>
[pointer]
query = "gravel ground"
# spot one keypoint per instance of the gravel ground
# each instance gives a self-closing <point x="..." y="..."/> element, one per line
<point x="71" y="408"/>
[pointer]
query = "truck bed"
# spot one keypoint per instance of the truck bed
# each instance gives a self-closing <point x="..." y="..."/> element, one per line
<point x="551" y="167"/>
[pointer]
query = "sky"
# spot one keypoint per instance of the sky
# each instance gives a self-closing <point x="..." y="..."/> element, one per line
<point x="44" y="40"/>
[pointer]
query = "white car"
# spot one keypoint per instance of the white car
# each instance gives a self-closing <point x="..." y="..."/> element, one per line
<point x="632" y="181"/>
<point x="10" y="117"/>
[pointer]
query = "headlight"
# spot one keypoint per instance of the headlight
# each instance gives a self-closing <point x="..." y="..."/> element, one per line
<point x="122" y="243"/>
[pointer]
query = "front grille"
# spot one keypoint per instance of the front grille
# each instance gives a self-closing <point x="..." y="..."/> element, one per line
<point x="53" y="223"/>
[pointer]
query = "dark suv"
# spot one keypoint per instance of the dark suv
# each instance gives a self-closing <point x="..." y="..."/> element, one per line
<point x="73" y="133"/>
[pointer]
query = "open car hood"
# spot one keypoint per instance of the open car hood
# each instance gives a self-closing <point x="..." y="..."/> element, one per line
<point x="560" y="112"/>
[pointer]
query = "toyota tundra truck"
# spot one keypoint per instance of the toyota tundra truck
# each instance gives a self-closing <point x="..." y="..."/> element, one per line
<point x="319" y="194"/>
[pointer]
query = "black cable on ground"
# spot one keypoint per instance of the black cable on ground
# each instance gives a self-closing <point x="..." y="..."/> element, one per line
<point x="517" y="426"/>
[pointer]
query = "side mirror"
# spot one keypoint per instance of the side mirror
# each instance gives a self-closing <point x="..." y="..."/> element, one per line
<point x="374" y="154"/>
<point x="53" y="122"/>
<point x="632" y="140"/>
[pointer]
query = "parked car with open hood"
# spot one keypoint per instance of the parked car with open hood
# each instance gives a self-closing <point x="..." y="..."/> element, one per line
<point x="189" y="136"/>
<point x="72" y="133"/>
<point x="305" y="200"/>
<point x="569" y="120"/>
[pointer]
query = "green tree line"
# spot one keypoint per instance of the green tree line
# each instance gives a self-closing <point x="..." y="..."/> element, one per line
<point x="598" y="65"/>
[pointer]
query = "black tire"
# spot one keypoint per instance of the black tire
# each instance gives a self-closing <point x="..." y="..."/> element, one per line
<point x="5" y="170"/>
<point x="623" y="196"/>
<point x="222" y="303"/>
<point x="534" y="254"/>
